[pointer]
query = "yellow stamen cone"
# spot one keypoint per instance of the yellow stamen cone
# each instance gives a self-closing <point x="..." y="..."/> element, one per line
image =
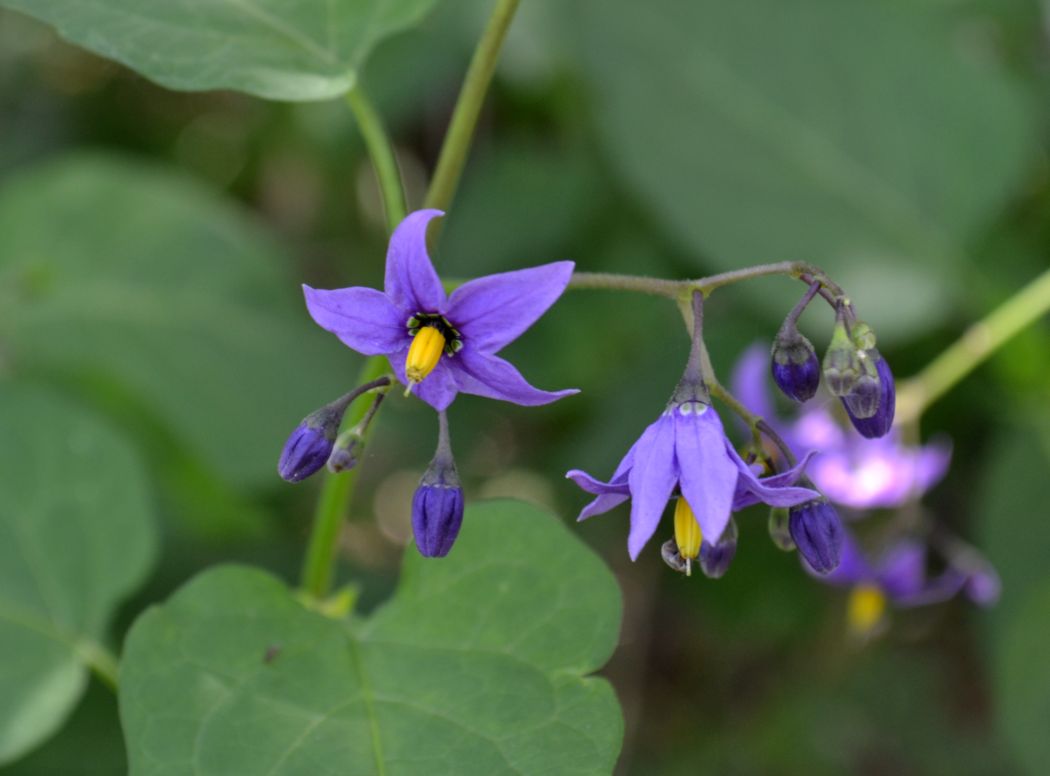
<point x="423" y="355"/>
<point x="687" y="533"/>
<point x="867" y="605"/>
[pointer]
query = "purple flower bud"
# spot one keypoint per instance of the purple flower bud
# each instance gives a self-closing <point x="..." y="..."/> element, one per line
<point x="983" y="587"/>
<point x="794" y="364"/>
<point x="437" y="514"/>
<point x="307" y="448"/>
<point x="881" y="422"/>
<point x="715" y="558"/>
<point x="817" y="532"/>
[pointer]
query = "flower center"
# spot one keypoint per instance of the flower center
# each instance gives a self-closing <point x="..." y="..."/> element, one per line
<point x="687" y="533"/>
<point x="432" y="337"/>
<point x="866" y="606"/>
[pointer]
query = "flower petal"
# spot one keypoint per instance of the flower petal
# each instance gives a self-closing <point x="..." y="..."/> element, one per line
<point x="610" y="494"/>
<point x="708" y="476"/>
<point x="493" y="311"/>
<point x="853" y="567"/>
<point x="483" y="374"/>
<point x="775" y="491"/>
<point x="438" y="388"/>
<point x="651" y="481"/>
<point x="750" y="381"/>
<point x="411" y="281"/>
<point x="363" y="318"/>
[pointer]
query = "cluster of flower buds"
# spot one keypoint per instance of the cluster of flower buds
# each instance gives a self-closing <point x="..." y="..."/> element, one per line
<point x="854" y="370"/>
<point x="316" y="441"/>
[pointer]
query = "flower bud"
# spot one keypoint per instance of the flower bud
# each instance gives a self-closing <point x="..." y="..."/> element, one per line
<point x="437" y="514"/>
<point x="880" y="423"/>
<point x="817" y="532"/>
<point x="715" y="558"/>
<point x="794" y="364"/>
<point x="864" y="398"/>
<point x="437" y="506"/>
<point x="778" y="529"/>
<point x="842" y="363"/>
<point x="347" y="451"/>
<point x="311" y="443"/>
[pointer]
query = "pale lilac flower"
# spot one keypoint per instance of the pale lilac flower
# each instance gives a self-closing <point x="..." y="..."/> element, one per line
<point x="687" y="450"/>
<point x="851" y="470"/>
<point x="451" y="339"/>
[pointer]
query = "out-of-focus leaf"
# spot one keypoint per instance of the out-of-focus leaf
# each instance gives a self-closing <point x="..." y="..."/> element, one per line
<point x="278" y="49"/>
<point x="76" y="536"/>
<point x="477" y="665"/>
<point x="1024" y="679"/>
<point x="114" y="270"/>
<point x="859" y="136"/>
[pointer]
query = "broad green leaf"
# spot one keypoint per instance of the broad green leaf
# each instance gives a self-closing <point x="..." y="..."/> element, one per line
<point x="76" y="536"/>
<point x="114" y="271"/>
<point x="859" y="136"/>
<point x="278" y="49"/>
<point x="1024" y="680"/>
<point x="478" y="665"/>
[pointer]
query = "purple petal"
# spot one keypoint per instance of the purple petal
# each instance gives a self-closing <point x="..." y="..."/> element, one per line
<point x="411" y="281"/>
<point x="493" y="311"/>
<point x="708" y="476"/>
<point x="853" y="567"/>
<point x="750" y="381"/>
<point x="943" y="587"/>
<point x="363" y="318"/>
<point x="610" y="494"/>
<point x="901" y="571"/>
<point x="483" y="374"/>
<point x="984" y="586"/>
<point x="652" y="478"/>
<point x="775" y="490"/>
<point x="438" y="388"/>
<point x="931" y="464"/>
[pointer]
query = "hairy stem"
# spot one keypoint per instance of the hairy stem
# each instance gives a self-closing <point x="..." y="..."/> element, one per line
<point x="757" y="424"/>
<point x="384" y="161"/>
<point x="977" y="343"/>
<point x="460" y="133"/>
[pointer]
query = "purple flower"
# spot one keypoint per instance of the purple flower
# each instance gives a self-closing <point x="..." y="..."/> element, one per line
<point x="439" y="344"/>
<point x="851" y="471"/>
<point x="899" y="576"/>
<point x="686" y="449"/>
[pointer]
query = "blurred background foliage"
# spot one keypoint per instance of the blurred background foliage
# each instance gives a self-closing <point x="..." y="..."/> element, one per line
<point x="151" y="243"/>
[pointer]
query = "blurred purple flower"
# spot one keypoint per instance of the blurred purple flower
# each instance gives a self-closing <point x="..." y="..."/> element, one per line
<point x="686" y="448"/>
<point x="899" y="577"/>
<point x="461" y="332"/>
<point x="851" y="470"/>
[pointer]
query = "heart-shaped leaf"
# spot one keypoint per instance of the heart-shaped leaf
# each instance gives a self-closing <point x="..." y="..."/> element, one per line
<point x="279" y="49"/>
<point x="76" y="536"/>
<point x="146" y="282"/>
<point x="477" y="665"/>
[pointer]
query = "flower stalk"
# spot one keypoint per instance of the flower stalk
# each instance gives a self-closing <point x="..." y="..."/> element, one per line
<point x="381" y="151"/>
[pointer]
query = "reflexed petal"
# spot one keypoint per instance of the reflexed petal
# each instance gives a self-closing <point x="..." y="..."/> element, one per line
<point x="491" y="376"/>
<point x="752" y="490"/>
<point x="602" y="504"/>
<point x="597" y="487"/>
<point x="411" y="281"/>
<point x="708" y="476"/>
<point x="363" y="318"/>
<point x="853" y="567"/>
<point x="652" y="478"/>
<point x="943" y="587"/>
<point x="931" y="463"/>
<point x="493" y="311"/>
<point x="610" y="494"/>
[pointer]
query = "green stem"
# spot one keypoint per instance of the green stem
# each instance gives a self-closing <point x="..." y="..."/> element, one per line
<point x="384" y="161"/>
<point x="101" y="661"/>
<point x="757" y="424"/>
<point x="981" y="340"/>
<point x="335" y="499"/>
<point x="468" y="107"/>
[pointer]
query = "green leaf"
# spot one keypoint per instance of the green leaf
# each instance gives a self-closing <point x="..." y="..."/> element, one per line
<point x="856" y="135"/>
<point x="278" y="49"/>
<point x="155" y="284"/>
<point x="76" y="536"/>
<point x="1024" y="681"/>
<point x="477" y="665"/>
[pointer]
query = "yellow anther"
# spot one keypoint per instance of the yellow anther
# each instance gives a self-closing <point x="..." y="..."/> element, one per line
<point x="424" y="354"/>
<point x="867" y="605"/>
<point x="687" y="533"/>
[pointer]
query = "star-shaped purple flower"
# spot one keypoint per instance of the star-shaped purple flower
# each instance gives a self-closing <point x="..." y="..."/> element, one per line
<point x="857" y="472"/>
<point x="438" y="344"/>
<point x="687" y="449"/>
